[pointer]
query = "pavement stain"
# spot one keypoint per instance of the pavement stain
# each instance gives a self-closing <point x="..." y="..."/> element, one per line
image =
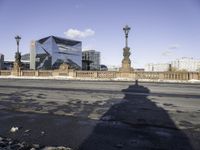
<point x="185" y="123"/>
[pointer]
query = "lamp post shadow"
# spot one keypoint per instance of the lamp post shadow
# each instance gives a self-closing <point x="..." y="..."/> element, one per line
<point x="136" y="123"/>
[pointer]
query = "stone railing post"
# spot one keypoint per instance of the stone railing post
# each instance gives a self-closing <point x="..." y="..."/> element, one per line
<point x="193" y="75"/>
<point x="161" y="75"/>
<point x="36" y="73"/>
<point x="95" y="75"/>
<point x="72" y="73"/>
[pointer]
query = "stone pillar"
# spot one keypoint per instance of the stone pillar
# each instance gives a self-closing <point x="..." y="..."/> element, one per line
<point x="126" y="62"/>
<point x="16" y="70"/>
<point x="95" y="74"/>
<point x="17" y="65"/>
<point x="161" y="75"/>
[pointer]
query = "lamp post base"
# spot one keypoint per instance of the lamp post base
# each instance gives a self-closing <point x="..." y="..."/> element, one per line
<point x="126" y="62"/>
<point x="16" y="69"/>
<point x="17" y="65"/>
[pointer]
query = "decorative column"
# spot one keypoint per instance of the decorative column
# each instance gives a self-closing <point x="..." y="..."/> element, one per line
<point x="17" y="63"/>
<point x="126" y="62"/>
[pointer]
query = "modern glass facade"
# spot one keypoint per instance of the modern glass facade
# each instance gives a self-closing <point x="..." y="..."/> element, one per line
<point x="90" y="60"/>
<point x="51" y="52"/>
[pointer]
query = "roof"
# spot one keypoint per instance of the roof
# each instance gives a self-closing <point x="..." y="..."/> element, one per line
<point x="59" y="40"/>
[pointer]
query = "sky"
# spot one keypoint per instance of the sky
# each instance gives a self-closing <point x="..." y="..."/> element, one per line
<point x="161" y="30"/>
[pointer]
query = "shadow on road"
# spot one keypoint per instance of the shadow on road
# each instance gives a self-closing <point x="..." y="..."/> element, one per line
<point x="136" y="123"/>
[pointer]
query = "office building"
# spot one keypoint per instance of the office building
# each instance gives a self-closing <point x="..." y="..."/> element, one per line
<point x="186" y="64"/>
<point x="113" y="68"/>
<point x="51" y="52"/>
<point x="91" y="60"/>
<point x="157" y="67"/>
<point x="25" y="59"/>
<point x="1" y="61"/>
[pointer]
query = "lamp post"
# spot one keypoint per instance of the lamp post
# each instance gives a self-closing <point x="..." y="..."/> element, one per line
<point x="17" y="38"/>
<point x="126" y="62"/>
<point x="18" y="55"/>
<point x="126" y="31"/>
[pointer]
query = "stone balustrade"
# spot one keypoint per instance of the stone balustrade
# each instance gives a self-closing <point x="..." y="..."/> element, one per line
<point x="86" y="74"/>
<point x="147" y="75"/>
<point x="180" y="76"/>
<point x="5" y="72"/>
<point x="28" y="73"/>
<point x="45" y="73"/>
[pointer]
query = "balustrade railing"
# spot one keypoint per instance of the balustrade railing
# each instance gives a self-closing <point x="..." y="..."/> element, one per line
<point x="85" y="74"/>
<point x="198" y="76"/>
<point x="106" y="74"/>
<point x="5" y="72"/>
<point x="44" y="73"/>
<point x="28" y="73"/>
<point x="147" y="75"/>
<point x="176" y="75"/>
<point x="182" y="76"/>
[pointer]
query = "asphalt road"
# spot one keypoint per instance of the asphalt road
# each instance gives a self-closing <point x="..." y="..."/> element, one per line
<point x="90" y="115"/>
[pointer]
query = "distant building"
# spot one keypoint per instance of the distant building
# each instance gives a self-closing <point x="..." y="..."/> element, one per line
<point x="186" y="64"/>
<point x="8" y="64"/>
<point x="1" y="61"/>
<point x="157" y="67"/>
<point x="139" y="69"/>
<point x="113" y="68"/>
<point x="51" y="52"/>
<point x="91" y="60"/>
<point x="103" y="67"/>
<point x="25" y="59"/>
<point x="182" y="64"/>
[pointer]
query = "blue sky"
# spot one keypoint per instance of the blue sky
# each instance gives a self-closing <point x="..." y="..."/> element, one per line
<point x="161" y="30"/>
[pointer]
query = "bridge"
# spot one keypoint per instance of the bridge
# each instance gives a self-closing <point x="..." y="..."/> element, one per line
<point x="88" y="115"/>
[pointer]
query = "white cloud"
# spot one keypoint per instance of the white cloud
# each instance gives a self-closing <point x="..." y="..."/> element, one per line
<point x="75" y="33"/>
<point x="167" y="53"/>
<point x="174" y="46"/>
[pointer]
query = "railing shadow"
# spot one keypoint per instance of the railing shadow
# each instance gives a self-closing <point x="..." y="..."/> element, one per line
<point x="136" y="123"/>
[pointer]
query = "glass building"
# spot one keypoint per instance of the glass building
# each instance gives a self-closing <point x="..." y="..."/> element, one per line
<point x="51" y="52"/>
<point x="1" y="61"/>
<point x="91" y="60"/>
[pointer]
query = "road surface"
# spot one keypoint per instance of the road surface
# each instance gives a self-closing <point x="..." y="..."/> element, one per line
<point x="91" y="115"/>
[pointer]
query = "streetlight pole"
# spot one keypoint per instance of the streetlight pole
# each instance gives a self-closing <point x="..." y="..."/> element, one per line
<point x="126" y="62"/>
<point x="18" y="55"/>
<point x="126" y="31"/>
<point x="17" y="38"/>
<point x="17" y="63"/>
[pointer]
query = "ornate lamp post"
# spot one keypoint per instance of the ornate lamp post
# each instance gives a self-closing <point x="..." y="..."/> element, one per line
<point x="18" y="55"/>
<point x="17" y="38"/>
<point x="126" y="62"/>
<point x="126" y="31"/>
<point x="17" y="63"/>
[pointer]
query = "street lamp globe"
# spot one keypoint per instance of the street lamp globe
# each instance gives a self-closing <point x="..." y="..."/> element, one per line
<point x="126" y="30"/>
<point x="17" y="38"/>
<point x="17" y="54"/>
